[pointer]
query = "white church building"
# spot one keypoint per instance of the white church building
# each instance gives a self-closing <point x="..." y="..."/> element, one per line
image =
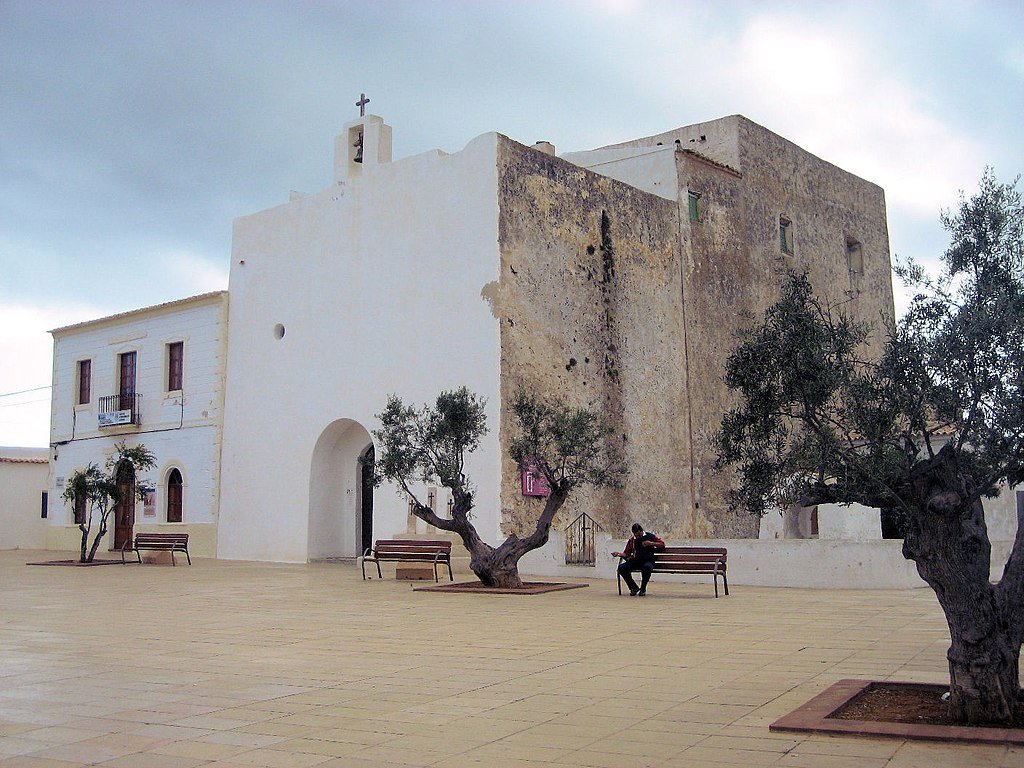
<point x="612" y="278"/>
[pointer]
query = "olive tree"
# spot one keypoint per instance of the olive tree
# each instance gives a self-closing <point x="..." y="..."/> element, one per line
<point x="570" y="446"/>
<point x="930" y="426"/>
<point x="98" y="492"/>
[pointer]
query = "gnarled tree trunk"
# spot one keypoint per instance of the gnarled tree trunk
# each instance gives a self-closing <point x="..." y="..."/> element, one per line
<point x="494" y="566"/>
<point x="99" y="537"/>
<point x="947" y="539"/>
<point x="85" y="543"/>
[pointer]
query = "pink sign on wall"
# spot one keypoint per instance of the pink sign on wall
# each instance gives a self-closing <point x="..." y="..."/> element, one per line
<point x="534" y="482"/>
<point x="149" y="508"/>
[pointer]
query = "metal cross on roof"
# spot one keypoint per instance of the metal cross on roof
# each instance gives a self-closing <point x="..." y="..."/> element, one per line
<point x="363" y="101"/>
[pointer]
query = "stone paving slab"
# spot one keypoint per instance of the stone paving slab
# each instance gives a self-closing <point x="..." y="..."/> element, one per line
<point x="232" y="664"/>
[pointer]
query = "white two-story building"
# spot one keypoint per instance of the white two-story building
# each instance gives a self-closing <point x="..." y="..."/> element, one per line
<point x="152" y="376"/>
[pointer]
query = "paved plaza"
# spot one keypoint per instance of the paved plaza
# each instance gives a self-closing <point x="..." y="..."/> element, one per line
<point x="231" y="665"/>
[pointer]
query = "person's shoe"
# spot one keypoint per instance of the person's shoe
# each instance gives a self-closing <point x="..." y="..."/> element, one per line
<point x="635" y="592"/>
<point x="642" y="593"/>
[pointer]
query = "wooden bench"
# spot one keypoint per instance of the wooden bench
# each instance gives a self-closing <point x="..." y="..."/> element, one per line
<point x="686" y="560"/>
<point x="162" y="542"/>
<point x="409" y="551"/>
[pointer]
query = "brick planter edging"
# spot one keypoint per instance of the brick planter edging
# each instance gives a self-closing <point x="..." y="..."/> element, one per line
<point x="813" y="717"/>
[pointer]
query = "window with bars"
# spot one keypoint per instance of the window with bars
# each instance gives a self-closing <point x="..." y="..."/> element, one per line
<point x="175" y="365"/>
<point x="174" y="496"/>
<point x="84" y="382"/>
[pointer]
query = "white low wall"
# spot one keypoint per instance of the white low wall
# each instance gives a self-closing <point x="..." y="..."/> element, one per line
<point x="809" y="563"/>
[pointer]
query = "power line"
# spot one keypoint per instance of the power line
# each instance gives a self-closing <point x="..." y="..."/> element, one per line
<point x="23" y="391"/>
<point x="27" y="402"/>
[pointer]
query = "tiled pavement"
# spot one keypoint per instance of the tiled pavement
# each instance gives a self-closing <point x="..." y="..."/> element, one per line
<point x="232" y="665"/>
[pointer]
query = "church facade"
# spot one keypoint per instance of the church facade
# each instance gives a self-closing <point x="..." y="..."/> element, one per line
<point x="614" y="279"/>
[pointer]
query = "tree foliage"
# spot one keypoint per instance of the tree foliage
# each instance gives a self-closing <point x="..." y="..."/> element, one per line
<point x="570" y="445"/>
<point x="100" y="491"/>
<point x="429" y="445"/>
<point x="820" y="423"/>
<point x="929" y="426"/>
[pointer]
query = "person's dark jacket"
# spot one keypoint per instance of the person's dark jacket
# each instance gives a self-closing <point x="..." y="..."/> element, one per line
<point x="643" y="554"/>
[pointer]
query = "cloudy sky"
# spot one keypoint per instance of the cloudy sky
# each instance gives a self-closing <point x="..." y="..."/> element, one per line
<point x="132" y="133"/>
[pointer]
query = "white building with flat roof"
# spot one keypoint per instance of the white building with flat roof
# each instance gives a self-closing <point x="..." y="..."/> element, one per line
<point x="24" y="497"/>
<point x="152" y="376"/>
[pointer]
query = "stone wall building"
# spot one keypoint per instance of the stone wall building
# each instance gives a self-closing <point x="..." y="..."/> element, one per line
<point x="627" y="271"/>
<point x="614" y="279"/>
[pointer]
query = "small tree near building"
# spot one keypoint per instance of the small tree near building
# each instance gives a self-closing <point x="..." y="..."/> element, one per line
<point x="570" y="446"/>
<point x="818" y="423"/>
<point x="97" y="493"/>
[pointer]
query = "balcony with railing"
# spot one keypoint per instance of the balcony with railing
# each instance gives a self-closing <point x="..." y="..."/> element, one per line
<point x="119" y="410"/>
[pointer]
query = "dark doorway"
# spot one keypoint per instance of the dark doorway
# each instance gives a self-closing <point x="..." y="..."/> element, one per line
<point x="366" y="467"/>
<point x="124" y="512"/>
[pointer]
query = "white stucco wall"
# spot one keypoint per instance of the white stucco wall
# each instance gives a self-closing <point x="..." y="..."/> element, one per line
<point x="1001" y="514"/>
<point x="23" y="479"/>
<point x="376" y="282"/>
<point x="651" y="169"/>
<point x="799" y="563"/>
<point x="182" y="428"/>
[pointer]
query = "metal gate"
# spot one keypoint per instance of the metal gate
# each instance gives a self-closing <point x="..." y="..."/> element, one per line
<point x="580" y="535"/>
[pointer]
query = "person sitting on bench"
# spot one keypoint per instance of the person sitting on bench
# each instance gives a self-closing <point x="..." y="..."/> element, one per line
<point x="639" y="555"/>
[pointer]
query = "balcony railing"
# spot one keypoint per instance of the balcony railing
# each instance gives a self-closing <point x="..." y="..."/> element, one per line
<point x="119" y="410"/>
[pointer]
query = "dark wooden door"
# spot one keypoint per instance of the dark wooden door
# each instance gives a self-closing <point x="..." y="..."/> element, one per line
<point x="124" y="512"/>
<point x="366" y="466"/>
<point x="127" y="383"/>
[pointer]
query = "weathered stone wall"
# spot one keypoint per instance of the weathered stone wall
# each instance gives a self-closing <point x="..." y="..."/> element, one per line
<point x="735" y="265"/>
<point x="722" y="284"/>
<point x="612" y="298"/>
<point x="589" y="302"/>
<point x="827" y="205"/>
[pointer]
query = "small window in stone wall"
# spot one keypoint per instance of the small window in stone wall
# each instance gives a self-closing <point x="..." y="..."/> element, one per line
<point x="785" y="235"/>
<point x="695" y="207"/>
<point x="854" y="255"/>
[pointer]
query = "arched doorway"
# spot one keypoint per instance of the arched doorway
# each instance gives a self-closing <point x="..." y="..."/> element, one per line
<point x="124" y="512"/>
<point x="175" y="496"/>
<point x="340" y="491"/>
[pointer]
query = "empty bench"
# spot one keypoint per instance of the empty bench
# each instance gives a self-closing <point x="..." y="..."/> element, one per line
<point x="687" y="560"/>
<point x="409" y="551"/>
<point x="159" y="542"/>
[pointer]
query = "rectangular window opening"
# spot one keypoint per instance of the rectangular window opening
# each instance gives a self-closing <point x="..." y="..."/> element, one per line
<point x="175" y="365"/>
<point x="785" y="235"/>
<point x="694" y="203"/>
<point x="854" y="254"/>
<point x="84" y="382"/>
